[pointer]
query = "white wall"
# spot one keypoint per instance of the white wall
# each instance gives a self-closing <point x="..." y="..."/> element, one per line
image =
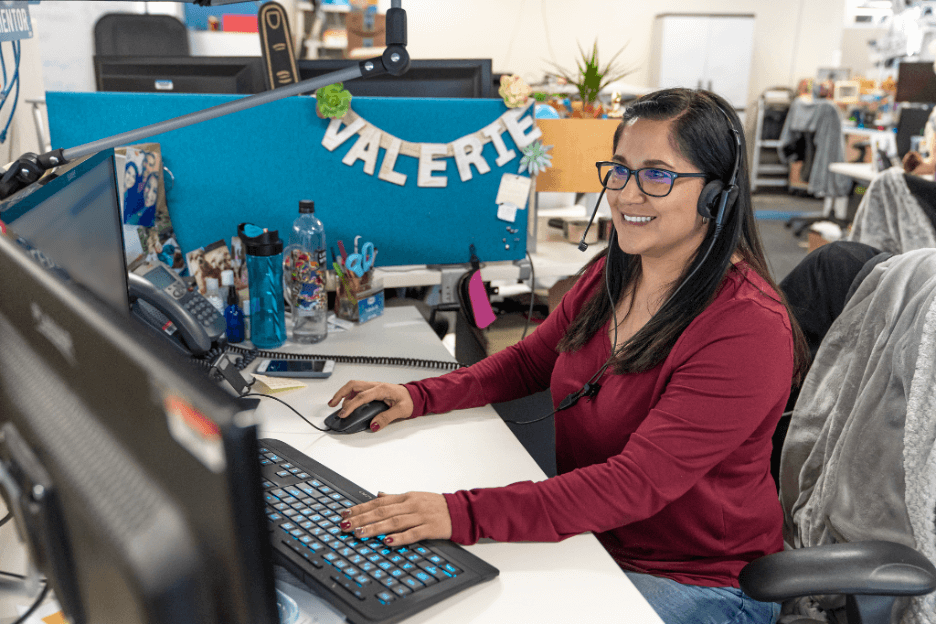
<point x="21" y="137"/>
<point x="791" y="38"/>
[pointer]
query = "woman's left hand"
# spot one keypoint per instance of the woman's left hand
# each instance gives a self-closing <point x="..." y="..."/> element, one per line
<point x="402" y="518"/>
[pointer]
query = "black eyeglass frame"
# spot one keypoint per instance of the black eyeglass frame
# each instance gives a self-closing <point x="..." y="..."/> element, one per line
<point x="635" y="173"/>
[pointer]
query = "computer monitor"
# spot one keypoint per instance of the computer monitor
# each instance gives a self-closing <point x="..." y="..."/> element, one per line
<point x="131" y="476"/>
<point x="73" y="216"/>
<point x="425" y="78"/>
<point x="911" y="123"/>
<point x="916" y="82"/>
<point x="180" y="74"/>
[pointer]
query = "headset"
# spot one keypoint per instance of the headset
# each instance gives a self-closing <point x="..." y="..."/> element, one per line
<point x="715" y="201"/>
<point x="716" y="198"/>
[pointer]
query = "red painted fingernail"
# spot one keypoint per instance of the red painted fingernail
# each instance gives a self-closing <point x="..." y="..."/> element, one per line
<point x="359" y="531"/>
<point x="345" y="513"/>
<point x="388" y="540"/>
<point x="345" y="525"/>
<point x="374" y="427"/>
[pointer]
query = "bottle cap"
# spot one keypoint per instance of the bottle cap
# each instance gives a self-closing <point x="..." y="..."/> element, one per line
<point x="306" y="206"/>
<point x="260" y="242"/>
<point x="211" y="283"/>
<point x="227" y="278"/>
<point x="232" y="298"/>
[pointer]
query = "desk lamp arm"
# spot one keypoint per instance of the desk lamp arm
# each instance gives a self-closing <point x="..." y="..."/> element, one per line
<point x="394" y="61"/>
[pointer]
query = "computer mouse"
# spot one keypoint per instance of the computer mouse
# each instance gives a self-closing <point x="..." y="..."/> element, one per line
<point x="358" y="420"/>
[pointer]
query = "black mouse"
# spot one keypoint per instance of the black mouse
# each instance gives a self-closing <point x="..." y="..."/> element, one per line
<point x="358" y="420"/>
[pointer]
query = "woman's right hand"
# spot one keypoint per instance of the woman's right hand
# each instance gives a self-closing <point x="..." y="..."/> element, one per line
<point x="357" y="393"/>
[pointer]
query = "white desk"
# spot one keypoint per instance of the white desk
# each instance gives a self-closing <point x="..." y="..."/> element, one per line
<point x="551" y="259"/>
<point x="571" y="581"/>
<point x="862" y="172"/>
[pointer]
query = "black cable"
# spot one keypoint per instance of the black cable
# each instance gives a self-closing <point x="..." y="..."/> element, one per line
<point x="270" y="396"/>
<point x="591" y="388"/>
<point x="349" y="359"/>
<point x="6" y="518"/>
<point x="526" y="326"/>
<point x="35" y="605"/>
<point x="12" y="575"/>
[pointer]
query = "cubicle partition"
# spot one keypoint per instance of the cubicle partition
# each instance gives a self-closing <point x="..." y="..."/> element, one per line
<point x="423" y="179"/>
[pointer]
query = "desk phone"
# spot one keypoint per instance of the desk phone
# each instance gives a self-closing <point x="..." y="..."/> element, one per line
<point x="165" y="301"/>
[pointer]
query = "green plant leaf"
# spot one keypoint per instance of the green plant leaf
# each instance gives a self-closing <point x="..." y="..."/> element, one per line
<point x="591" y="77"/>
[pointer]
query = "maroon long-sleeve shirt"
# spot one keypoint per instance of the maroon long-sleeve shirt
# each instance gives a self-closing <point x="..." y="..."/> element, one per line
<point x="670" y="467"/>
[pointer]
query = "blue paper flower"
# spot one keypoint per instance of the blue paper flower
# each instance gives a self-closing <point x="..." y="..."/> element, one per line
<point x="535" y="158"/>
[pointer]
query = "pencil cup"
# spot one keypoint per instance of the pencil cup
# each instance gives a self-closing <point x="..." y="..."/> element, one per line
<point x="355" y="294"/>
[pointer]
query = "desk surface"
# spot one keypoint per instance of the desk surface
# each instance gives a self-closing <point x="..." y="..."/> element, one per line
<point x="570" y="581"/>
<point x="862" y="172"/>
<point x="551" y="259"/>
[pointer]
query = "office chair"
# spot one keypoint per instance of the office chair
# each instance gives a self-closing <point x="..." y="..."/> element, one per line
<point x="817" y="290"/>
<point x="869" y="539"/>
<point x="133" y="34"/>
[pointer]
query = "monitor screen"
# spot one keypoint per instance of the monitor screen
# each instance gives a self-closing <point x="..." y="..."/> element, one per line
<point x="425" y="78"/>
<point x="134" y="481"/>
<point x="180" y="74"/>
<point x="74" y="218"/>
<point x="916" y="82"/>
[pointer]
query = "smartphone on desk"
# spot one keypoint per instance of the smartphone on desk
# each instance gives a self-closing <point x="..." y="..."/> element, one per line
<point x="296" y="368"/>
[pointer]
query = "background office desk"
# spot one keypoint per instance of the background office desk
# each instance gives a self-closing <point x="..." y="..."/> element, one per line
<point x="861" y="172"/>
<point x="570" y="581"/>
<point x="551" y="259"/>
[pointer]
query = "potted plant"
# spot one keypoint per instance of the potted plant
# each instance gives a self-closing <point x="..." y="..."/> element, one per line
<point x="590" y="79"/>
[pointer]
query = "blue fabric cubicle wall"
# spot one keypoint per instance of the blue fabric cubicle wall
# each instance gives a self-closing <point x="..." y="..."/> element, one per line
<point x="255" y="165"/>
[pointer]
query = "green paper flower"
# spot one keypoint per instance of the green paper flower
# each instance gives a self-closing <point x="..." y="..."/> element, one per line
<point x="535" y="158"/>
<point x="332" y="101"/>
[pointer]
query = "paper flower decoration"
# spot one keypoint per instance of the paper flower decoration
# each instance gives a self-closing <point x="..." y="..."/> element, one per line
<point x="332" y="101"/>
<point x="535" y="158"/>
<point x="514" y="91"/>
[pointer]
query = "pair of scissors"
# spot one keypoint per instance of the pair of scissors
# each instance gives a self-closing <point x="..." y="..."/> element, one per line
<point x="361" y="263"/>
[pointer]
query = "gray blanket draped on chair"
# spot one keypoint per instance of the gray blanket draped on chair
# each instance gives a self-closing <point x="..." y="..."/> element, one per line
<point x="859" y="461"/>
<point x="890" y="218"/>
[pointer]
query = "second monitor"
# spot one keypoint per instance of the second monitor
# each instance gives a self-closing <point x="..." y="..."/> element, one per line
<point x="430" y="78"/>
<point x="425" y="78"/>
<point x="180" y="74"/>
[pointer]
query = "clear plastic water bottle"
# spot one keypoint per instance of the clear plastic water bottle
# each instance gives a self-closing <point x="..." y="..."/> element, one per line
<point x="304" y="270"/>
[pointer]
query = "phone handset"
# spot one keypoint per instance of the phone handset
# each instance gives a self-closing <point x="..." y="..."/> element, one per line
<point x="199" y="324"/>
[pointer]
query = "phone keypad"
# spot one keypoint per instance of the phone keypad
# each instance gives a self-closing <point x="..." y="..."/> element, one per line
<point x="206" y="313"/>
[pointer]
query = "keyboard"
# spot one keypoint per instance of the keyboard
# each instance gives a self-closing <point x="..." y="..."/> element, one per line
<point x="363" y="578"/>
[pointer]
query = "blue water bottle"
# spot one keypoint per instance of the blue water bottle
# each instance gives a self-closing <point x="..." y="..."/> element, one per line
<point x="264" y="254"/>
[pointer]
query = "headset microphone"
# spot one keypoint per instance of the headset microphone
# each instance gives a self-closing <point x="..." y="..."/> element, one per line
<point x="582" y="246"/>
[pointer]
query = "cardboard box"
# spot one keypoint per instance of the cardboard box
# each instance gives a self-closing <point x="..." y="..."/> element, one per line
<point x="358" y="34"/>
<point x="577" y="144"/>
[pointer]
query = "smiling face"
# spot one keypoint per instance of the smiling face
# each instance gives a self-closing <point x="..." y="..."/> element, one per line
<point x="150" y="191"/>
<point x="665" y="228"/>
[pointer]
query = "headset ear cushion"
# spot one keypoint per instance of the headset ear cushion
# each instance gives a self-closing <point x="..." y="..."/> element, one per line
<point x="708" y="199"/>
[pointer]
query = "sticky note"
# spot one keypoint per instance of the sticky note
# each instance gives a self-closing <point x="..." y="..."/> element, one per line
<point x="514" y="189"/>
<point x="507" y="212"/>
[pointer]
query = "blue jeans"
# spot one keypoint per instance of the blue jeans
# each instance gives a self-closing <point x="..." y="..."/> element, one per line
<point x="677" y="603"/>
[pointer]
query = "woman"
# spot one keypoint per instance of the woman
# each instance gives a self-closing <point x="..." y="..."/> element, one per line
<point x="668" y="462"/>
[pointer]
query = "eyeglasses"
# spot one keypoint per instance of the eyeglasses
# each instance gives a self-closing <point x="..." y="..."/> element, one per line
<point x="650" y="180"/>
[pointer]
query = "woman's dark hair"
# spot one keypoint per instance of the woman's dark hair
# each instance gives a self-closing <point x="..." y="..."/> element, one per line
<point x="700" y="133"/>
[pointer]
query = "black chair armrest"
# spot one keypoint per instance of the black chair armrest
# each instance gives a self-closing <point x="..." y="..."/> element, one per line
<point x="855" y="568"/>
